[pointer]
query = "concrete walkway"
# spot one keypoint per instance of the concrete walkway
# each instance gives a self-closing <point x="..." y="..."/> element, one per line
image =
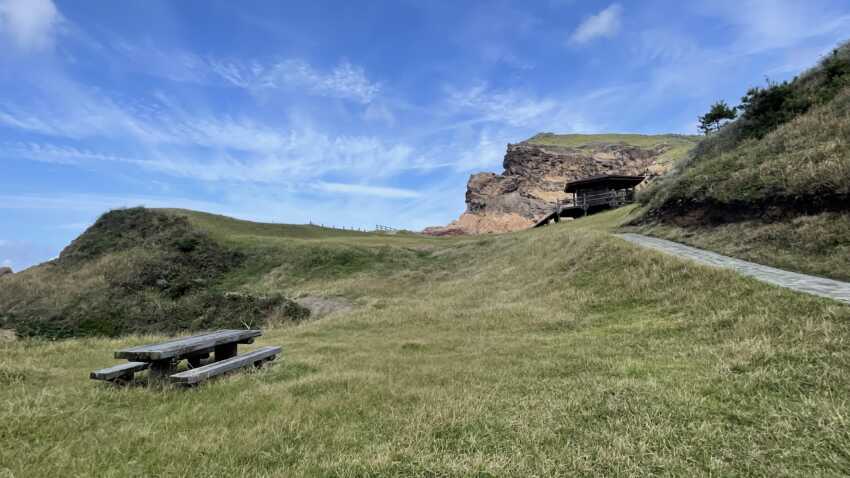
<point x="832" y="289"/>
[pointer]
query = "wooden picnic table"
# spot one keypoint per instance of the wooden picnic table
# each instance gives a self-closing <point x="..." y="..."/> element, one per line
<point x="163" y="357"/>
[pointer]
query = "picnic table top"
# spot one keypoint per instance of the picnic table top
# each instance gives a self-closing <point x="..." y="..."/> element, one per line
<point x="187" y="345"/>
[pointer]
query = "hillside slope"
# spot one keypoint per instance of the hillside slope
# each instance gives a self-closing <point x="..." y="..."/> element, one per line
<point x="138" y="271"/>
<point x="536" y="170"/>
<point x="474" y="356"/>
<point x="773" y="186"/>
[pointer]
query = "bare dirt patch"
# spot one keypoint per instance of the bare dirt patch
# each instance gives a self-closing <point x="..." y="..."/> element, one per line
<point x="469" y="223"/>
<point x="322" y="306"/>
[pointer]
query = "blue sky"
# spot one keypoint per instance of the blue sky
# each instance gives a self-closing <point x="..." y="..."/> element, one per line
<point x="346" y="113"/>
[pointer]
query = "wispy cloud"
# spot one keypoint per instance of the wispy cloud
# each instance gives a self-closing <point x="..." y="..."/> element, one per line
<point x="345" y="80"/>
<point x="304" y="155"/>
<point x="30" y="24"/>
<point x="487" y="153"/>
<point x="98" y="203"/>
<point x="762" y="25"/>
<point x="52" y="153"/>
<point x="384" y="192"/>
<point x="509" y="106"/>
<point x="604" y="24"/>
<point x="514" y="113"/>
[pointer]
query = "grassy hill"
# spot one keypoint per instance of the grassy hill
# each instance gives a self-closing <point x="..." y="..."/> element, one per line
<point x="774" y="185"/>
<point x="141" y="271"/>
<point x="556" y="351"/>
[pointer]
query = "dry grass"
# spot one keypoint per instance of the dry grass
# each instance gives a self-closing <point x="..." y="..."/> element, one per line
<point x="558" y="351"/>
<point x="807" y="159"/>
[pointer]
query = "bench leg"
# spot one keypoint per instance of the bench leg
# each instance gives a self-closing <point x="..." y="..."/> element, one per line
<point x="161" y="370"/>
<point x="225" y="351"/>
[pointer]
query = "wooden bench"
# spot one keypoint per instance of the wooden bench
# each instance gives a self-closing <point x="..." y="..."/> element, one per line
<point x="119" y="373"/>
<point x="198" y="375"/>
<point x="164" y="357"/>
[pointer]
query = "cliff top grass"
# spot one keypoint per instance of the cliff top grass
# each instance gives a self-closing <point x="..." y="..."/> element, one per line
<point x="555" y="351"/>
<point x="680" y="145"/>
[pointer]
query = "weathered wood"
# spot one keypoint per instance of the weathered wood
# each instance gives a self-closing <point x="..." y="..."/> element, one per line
<point x="183" y="347"/>
<point x="123" y="371"/>
<point x="197" y="375"/>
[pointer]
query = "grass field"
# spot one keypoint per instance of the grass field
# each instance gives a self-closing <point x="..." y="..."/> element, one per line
<point x="556" y="351"/>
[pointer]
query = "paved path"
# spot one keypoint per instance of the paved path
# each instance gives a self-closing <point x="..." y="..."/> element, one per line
<point x="832" y="289"/>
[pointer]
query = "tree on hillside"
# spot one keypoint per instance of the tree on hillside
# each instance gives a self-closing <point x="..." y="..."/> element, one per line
<point x="719" y="115"/>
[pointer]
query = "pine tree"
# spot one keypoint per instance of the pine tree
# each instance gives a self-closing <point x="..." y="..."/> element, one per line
<point x="720" y="114"/>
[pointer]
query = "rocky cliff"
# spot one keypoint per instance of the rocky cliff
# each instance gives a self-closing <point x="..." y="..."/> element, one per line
<point x="536" y="170"/>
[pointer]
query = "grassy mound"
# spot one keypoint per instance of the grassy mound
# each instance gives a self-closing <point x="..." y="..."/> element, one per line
<point x="135" y="271"/>
<point x="774" y="185"/>
<point x="789" y="151"/>
<point x="560" y="351"/>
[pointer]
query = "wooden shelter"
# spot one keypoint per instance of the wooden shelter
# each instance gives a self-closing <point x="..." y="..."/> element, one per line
<point x="594" y="194"/>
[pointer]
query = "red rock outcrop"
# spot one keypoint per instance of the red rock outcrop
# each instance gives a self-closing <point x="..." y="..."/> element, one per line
<point x="534" y="178"/>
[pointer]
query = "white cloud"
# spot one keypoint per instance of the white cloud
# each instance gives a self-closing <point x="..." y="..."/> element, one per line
<point x="31" y="24"/>
<point x="344" y="81"/>
<point x="604" y="24"/>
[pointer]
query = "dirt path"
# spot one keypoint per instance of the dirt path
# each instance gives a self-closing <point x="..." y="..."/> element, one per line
<point x="820" y="286"/>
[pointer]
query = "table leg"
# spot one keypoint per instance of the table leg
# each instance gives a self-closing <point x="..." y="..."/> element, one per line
<point x="195" y="360"/>
<point x="225" y="351"/>
<point x="161" y="369"/>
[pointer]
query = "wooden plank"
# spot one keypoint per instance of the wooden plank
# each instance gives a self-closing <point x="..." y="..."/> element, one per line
<point x="119" y="371"/>
<point x="197" y="375"/>
<point x="182" y="347"/>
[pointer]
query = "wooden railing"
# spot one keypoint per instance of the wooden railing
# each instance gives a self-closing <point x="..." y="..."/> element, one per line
<point x="605" y="198"/>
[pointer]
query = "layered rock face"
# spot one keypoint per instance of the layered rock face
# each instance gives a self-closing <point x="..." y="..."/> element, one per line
<point x="534" y="178"/>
